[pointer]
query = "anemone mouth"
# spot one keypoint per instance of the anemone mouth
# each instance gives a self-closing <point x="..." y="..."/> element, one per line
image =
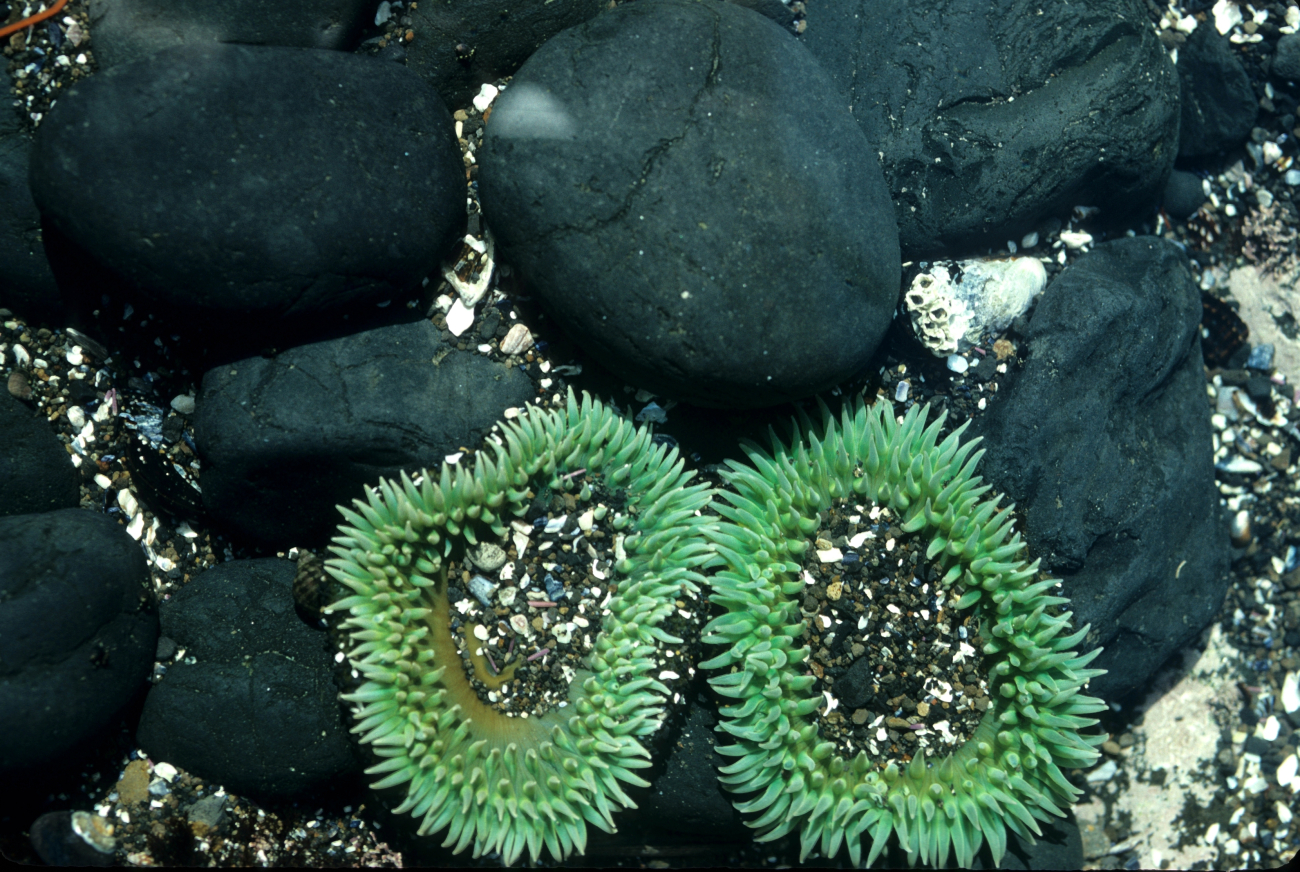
<point x="949" y="568"/>
<point x="435" y="706"/>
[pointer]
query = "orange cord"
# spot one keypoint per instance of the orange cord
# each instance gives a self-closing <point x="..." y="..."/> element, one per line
<point x="35" y="19"/>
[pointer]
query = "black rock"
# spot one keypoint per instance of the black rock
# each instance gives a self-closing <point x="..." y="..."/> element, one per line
<point x="687" y="797"/>
<point x="128" y="30"/>
<point x="990" y="115"/>
<point x="258" y="711"/>
<point x="1219" y="105"/>
<point x="458" y="47"/>
<point x="27" y="285"/>
<point x="285" y="439"/>
<point x="1183" y="194"/>
<point x="1256" y="745"/>
<point x="853" y="688"/>
<point x="78" y="630"/>
<point x="1286" y="59"/>
<point x="1059" y="847"/>
<point x="693" y="204"/>
<point x="1103" y="442"/>
<point x="259" y="195"/>
<point x="35" y="472"/>
<point x="1259" y="388"/>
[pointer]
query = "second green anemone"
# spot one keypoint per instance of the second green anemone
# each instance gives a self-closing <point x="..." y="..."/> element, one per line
<point x="865" y="560"/>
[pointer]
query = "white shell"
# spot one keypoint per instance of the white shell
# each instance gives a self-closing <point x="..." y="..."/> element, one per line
<point x="485" y="96"/>
<point x="1075" y="239"/>
<point x="518" y="340"/>
<point x="1291" y="692"/>
<point x="1286" y="773"/>
<point x="459" y="318"/>
<point x="471" y="292"/>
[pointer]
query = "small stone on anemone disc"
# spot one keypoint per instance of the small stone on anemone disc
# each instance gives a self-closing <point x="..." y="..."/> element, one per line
<point x="525" y="621"/>
<point x="900" y="667"/>
<point x="965" y="573"/>
<point x="492" y="780"/>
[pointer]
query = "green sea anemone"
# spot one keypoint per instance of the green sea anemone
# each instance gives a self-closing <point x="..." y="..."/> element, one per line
<point x="866" y="560"/>
<point x="515" y="754"/>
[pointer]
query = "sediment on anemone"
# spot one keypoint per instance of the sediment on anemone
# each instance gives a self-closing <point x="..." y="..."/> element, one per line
<point x="433" y="704"/>
<point x="972" y="692"/>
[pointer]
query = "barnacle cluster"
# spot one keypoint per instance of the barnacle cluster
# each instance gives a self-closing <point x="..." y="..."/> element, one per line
<point x="1007" y="773"/>
<point x="496" y="782"/>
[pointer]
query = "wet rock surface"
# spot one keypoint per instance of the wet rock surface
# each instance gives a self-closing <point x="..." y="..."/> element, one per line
<point x="980" y="134"/>
<point x="251" y="189"/>
<point x="665" y="244"/>
<point x="78" y="630"/>
<point x="286" y="439"/>
<point x="252" y="703"/>
<point x="1103" y="442"/>
<point x="35" y="475"/>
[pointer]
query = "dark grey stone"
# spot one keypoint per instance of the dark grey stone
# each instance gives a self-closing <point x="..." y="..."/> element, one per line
<point x="36" y="474"/>
<point x="691" y="204"/>
<point x="257" y="712"/>
<point x="1286" y="58"/>
<point x="1103" y="441"/>
<point x="128" y="30"/>
<point x="687" y="796"/>
<point x="1183" y="195"/>
<point x="78" y="631"/>
<point x="26" y="283"/>
<point x="460" y="46"/>
<point x="286" y="439"/>
<point x="1059" y="847"/>
<point x="853" y="688"/>
<point x="263" y="194"/>
<point x="1219" y="106"/>
<point x="991" y="114"/>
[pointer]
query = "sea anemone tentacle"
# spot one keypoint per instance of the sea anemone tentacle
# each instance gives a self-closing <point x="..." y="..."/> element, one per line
<point x="494" y="780"/>
<point x="1007" y="773"/>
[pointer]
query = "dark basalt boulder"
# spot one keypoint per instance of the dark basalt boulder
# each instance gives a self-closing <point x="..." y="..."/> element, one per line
<point x="256" y="710"/>
<point x="286" y="439"/>
<point x="78" y="631"/>
<point x="693" y="204"/>
<point x="258" y="195"/>
<point x="1103" y="440"/>
<point x="992" y="114"/>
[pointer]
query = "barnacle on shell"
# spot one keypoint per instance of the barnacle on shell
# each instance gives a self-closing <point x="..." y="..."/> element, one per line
<point x="496" y="782"/>
<point x="1007" y="774"/>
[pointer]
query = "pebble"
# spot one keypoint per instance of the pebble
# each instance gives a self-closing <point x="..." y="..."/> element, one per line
<point x="488" y="556"/>
<point x="1103" y="773"/>
<point x="486" y="95"/>
<point x="19" y="385"/>
<point x="459" y="318"/>
<point x="1291" y="693"/>
<point x="518" y="340"/>
<point x="482" y="589"/>
<point x="78" y="838"/>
